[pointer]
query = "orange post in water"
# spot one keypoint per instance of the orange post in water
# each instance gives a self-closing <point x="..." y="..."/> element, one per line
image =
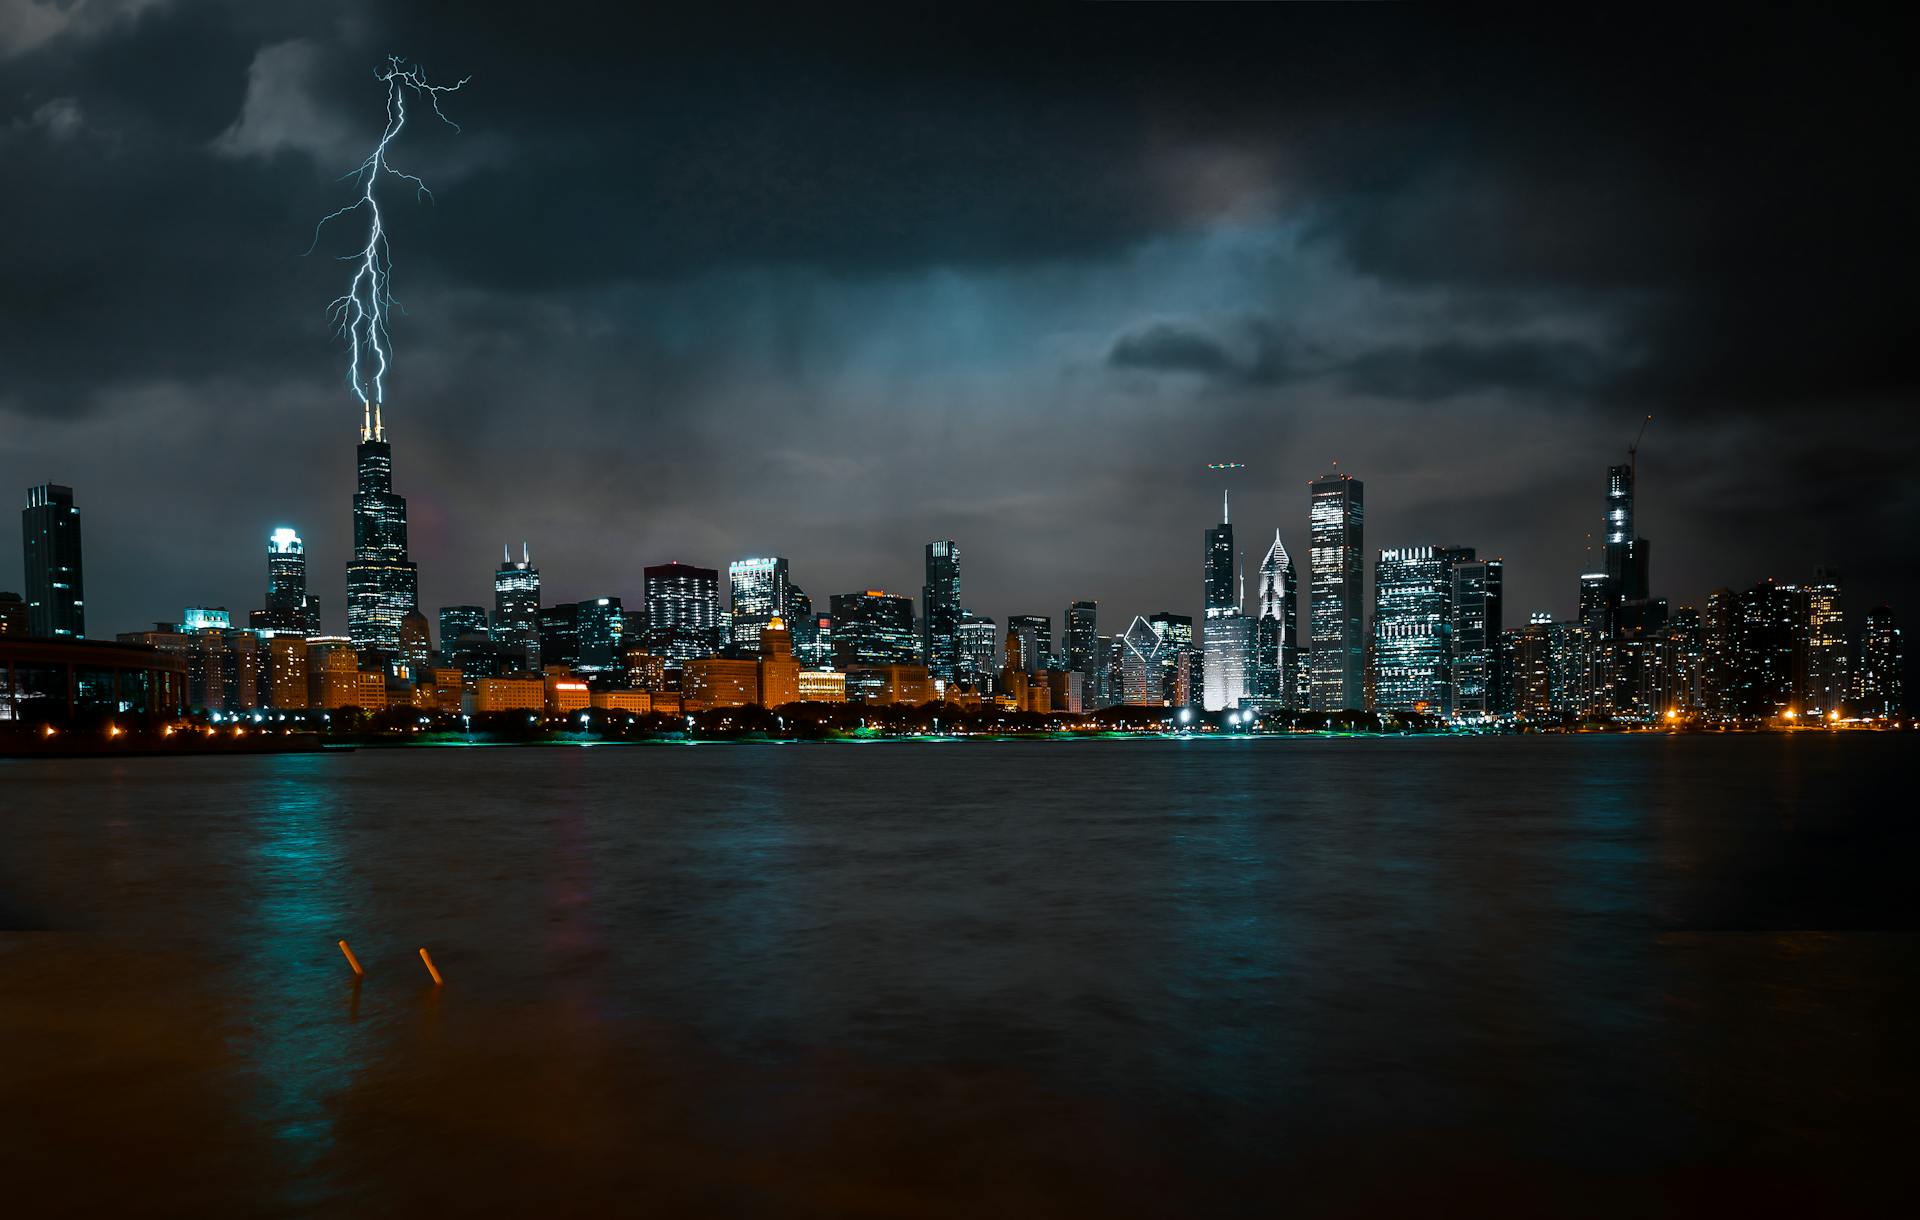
<point x="431" y="969"/>
<point x="352" y="960"/>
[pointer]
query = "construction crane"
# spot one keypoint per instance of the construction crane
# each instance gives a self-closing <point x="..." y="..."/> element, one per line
<point x="1633" y="450"/>
<point x="1225" y="466"/>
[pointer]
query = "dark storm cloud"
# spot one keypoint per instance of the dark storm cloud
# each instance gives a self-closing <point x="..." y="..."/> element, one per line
<point x="732" y="281"/>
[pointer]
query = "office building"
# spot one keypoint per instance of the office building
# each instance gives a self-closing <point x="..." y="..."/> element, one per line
<point x="1770" y="634"/>
<point x="1474" y="637"/>
<point x="940" y="609"/>
<point x="1219" y="597"/>
<point x="290" y="609"/>
<point x="760" y="591"/>
<point x="683" y="612"/>
<point x="462" y="629"/>
<point x="1530" y="660"/>
<point x="1412" y="604"/>
<point x="599" y="635"/>
<point x="516" y="606"/>
<point x="50" y="543"/>
<point x="1626" y="554"/>
<point x="416" y="644"/>
<point x="1082" y="646"/>
<point x="560" y="635"/>
<point x="1276" y="668"/>
<point x="976" y="648"/>
<point x="382" y="582"/>
<point x="1037" y="631"/>
<point x="1228" y="642"/>
<point x="1336" y="645"/>
<point x="1178" y="657"/>
<point x="872" y="628"/>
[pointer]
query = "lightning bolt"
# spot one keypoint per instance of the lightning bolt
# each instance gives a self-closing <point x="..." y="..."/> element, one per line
<point x="360" y="314"/>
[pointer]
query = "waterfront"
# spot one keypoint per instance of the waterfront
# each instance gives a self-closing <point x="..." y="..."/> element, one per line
<point x="1603" y="974"/>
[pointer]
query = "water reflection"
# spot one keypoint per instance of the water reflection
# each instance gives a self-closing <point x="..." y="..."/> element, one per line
<point x="302" y="1037"/>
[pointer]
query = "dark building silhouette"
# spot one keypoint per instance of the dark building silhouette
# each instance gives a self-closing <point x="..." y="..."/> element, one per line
<point x="56" y="591"/>
<point x="382" y="584"/>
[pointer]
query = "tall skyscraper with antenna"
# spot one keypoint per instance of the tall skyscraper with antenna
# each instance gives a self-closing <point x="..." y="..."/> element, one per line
<point x="382" y="584"/>
<point x="516" y="604"/>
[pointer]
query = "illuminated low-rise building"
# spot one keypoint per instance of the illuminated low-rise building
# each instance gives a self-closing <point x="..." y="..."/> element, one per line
<point x="710" y="682"/>
<point x="822" y="686"/>
<point x="566" y="693"/>
<point x="52" y="681"/>
<point x="638" y="702"/>
<point x="909" y="685"/>
<point x="522" y="693"/>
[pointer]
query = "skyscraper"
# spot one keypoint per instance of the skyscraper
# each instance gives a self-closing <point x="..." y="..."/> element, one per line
<point x="1769" y="639"/>
<point x="1177" y="657"/>
<point x="1276" y="674"/>
<point x="759" y="591"/>
<point x="290" y="610"/>
<point x="50" y="540"/>
<point x="1474" y="637"/>
<point x="1336" y="646"/>
<point x="516" y="605"/>
<point x="600" y="628"/>
<point x="1824" y="675"/>
<point x="940" y="608"/>
<point x="1217" y="586"/>
<point x="1412" y="601"/>
<point x="1083" y="638"/>
<point x="975" y="644"/>
<point x="381" y="582"/>
<point x="1880" y="694"/>
<point x="683" y="612"/>
<point x="1038" y="630"/>
<point x="873" y="627"/>
<point x="560" y="634"/>
<point x="1627" y="555"/>
<point x="462" y="628"/>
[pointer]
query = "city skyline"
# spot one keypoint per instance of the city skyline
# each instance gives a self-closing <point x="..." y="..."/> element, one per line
<point x="1035" y="364"/>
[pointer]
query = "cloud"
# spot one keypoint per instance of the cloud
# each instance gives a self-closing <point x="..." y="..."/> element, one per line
<point x="282" y="111"/>
<point x="1171" y="347"/>
<point x="27" y="25"/>
<point x="1248" y="352"/>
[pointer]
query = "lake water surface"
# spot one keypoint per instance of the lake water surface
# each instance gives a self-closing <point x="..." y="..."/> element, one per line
<point x="1556" y="975"/>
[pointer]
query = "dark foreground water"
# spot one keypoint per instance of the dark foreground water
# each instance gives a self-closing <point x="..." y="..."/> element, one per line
<point x="1591" y="975"/>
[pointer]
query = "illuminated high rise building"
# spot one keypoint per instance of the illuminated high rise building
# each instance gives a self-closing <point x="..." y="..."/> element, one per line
<point x="1179" y="658"/>
<point x="416" y="644"/>
<point x="516" y="606"/>
<point x="1336" y="644"/>
<point x="50" y="540"/>
<point x="975" y="651"/>
<point x="1880" y="660"/>
<point x="463" y="629"/>
<point x="1217" y="586"/>
<point x="683" y="612"/>
<point x="1476" y="681"/>
<point x="873" y="627"/>
<point x="1037" y="629"/>
<point x="599" y="639"/>
<point x="1627" y="554"/>
<point x="1276" y="672"/>
<point x="290" y="610"/>
<point x="382" y="583"/>
<point x="1770" y="633"/>
<point x="940" y="608"/>
<point x="1412" y="605"/>
<point x="1083" y="638"/>
<point x="759" y="590"/>
<point x="1823" y="676"/>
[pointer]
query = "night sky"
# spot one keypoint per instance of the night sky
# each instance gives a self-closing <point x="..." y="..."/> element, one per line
<point x="833" y="287"/>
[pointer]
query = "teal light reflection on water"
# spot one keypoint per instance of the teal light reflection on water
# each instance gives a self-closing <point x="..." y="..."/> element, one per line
<point x="301" y="1040"/>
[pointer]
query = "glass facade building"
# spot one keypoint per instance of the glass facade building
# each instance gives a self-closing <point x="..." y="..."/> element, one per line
<point x="382" y="583"/>
<point x="50" y="542"/>
<point x="940" y="608"/>
<point x="1276" y="671"/>
<point x="975" y="651"/>
<point x="1036" y="630"/>
<point x="1412" y="604"/>
<point x="600" y="627"/>
<point x="760" y="594"/>
<point x="1336" y="644"/>
<point x="683" y="612"/>
<point x="1880" y="661"/>
<point x="873" y="627"/>
<point x="290" y="610"/>
<point x="1474" y="638"/>
<point x="516" y="606"/>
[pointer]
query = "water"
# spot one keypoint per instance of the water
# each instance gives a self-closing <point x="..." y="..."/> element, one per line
<point x="1578" y="975"/>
